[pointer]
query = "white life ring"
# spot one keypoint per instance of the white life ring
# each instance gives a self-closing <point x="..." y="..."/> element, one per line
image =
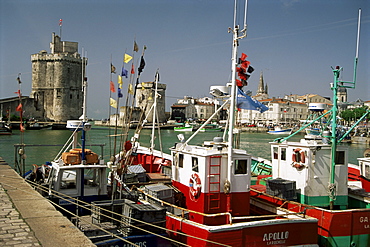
<point x="195" y="186"/>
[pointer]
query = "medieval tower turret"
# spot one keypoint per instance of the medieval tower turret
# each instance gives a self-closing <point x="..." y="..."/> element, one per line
<point x="145" y="99"/>
<point x="57" y="80"/>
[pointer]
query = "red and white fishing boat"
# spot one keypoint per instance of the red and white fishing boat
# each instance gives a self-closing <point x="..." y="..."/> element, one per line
<point x="213" y="193"/>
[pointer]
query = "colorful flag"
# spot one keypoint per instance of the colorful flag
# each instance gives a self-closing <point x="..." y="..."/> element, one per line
<point x="132" y="69"/>
<point x="136" y="48"/>
<point x="60" y="22"/>
<point x="120" y="95"/>
<point x="246" y="102"/>
<point x="112" y="69"/>
<point x="19" y="107"/>
<point x="142" y="65"/>
<point x="127" y="58"/>
<point x="112" y="89"/>
<point x="19" y="80"/>
<point x="119" y="80"/>
<point x="18" y="92"/>
<point x="22" y="128"/>
<point x="124" y="72"/>
<point x="243" y="57"/>
<point x="130" y="89"/>
<point x="113" y="103"/>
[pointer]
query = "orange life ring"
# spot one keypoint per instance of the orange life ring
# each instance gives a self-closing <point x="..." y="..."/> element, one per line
<point x="195" y="186"/>
<point x="298" y="156"/>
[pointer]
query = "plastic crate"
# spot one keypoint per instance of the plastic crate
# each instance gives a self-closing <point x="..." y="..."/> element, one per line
<point x="282" y="188"/>
<point x="99" y="215"/>
<point x="148" y="213"/>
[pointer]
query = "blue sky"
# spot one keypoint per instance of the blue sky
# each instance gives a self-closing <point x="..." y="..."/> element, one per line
<point x="293" y="42"/>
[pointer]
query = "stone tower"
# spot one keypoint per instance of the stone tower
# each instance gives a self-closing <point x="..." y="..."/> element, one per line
<point x="145" y="99"/>
<point x="57" y="81"/>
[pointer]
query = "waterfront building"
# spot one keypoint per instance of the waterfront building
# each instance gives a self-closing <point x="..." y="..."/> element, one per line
<point x="191" y="108"/>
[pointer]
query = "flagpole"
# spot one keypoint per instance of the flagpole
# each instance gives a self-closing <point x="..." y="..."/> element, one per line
<point x="109" y="111"/>
<point x="60" y="28"/>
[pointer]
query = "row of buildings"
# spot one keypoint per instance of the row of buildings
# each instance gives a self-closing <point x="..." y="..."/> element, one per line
<point x="290" y="109"/>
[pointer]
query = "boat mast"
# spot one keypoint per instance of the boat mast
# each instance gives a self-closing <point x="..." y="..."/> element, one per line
<point x="334" y="141"/>
<point x="234" y="63"/>
<point x="83" y="117"/>
<point x="154" y="110"/>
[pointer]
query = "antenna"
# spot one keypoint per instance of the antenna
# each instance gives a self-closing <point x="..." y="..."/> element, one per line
<point x="357" y="46"/>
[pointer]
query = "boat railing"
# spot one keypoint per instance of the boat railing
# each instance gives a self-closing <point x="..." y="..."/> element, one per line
<point x="20" y="155"/>
<point x="283" y="213"/>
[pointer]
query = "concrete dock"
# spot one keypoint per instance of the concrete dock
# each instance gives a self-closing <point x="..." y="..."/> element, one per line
<point x="28" y="219"/>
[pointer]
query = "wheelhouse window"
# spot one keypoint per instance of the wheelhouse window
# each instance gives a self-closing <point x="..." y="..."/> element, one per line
<point x="340" y="158"/>
<point x="241" y="166"/>
<point x="181" y="160"/>
<point x="69" y="180"/>
<point x="92" y="178"/>
<point x="194" y="162"/>
<point x="283" y="154"/>
<point x="275" y="153"/>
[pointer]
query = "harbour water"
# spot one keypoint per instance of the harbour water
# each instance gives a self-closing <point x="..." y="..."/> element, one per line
<point x="257" y="144"/>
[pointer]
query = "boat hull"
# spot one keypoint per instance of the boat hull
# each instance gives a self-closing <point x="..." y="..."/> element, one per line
<point x="183" y="129"/>
<point x="253" y="233"/>
<point x="335" y="227"/>
<point x="279" y="132"/>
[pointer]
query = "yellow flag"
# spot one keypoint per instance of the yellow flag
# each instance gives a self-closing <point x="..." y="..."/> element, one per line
<point x="113" y="103"/>
<point x="127" y="58"/>
<point x="143" y="85"/>
<point x="130" y="89"/>
<point x="119" y="80"/>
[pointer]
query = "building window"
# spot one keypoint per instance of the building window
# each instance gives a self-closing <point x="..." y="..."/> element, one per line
<point x="70" y="96"/>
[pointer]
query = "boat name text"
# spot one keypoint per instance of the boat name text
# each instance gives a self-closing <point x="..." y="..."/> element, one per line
<point x="273" y="238"/>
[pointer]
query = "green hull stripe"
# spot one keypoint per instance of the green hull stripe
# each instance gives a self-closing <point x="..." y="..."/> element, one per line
<point x="323" y="201"/>
<point x="346" y="241"/>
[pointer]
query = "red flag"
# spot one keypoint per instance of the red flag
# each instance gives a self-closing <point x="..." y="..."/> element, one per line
<point x="18" y="92"/>
<point x="22" y="128"/>
<point x="112" y="87"/>
<point x="245" y="64"/>
<point x="132" y="69"/>
<point x="60" y="22"/>
<point x="243" y="57"/>
<point x="19" y="107"/>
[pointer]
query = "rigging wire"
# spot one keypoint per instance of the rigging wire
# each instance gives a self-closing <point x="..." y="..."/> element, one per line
<point x="77" y="201"/>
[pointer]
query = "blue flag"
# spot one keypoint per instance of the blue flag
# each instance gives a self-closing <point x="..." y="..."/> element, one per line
<point x="246" y="102"/>
<point x="124" y="72"/>
<point x="120" y="95"/>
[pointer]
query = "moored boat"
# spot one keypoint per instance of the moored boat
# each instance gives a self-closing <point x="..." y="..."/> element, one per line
<point x="5" y="129"/>
<point x="280" y="131"/>
<point x="184" y="128"/>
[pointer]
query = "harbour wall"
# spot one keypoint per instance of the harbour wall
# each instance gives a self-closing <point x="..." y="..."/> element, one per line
<point x="28" y="219"/>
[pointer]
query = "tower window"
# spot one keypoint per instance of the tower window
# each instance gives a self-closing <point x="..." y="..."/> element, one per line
<point x="70" y="96"/>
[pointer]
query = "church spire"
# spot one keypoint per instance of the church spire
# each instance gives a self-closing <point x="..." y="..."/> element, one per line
<point x="261" y="86"/>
